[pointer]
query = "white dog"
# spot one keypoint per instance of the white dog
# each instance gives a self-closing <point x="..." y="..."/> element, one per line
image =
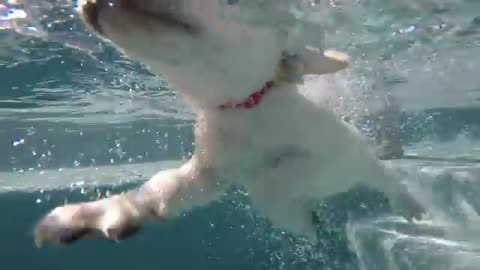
<point x="239" y="66"/>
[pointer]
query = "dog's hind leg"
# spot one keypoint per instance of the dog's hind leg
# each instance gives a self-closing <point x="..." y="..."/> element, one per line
<point x="401" y="199"/>
<point x="389" y="131"/>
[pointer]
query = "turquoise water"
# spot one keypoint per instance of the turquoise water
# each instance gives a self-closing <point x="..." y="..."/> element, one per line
<point x="78" y="119"/>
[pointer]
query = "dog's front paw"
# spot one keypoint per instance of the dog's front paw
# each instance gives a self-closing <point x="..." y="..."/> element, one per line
<point x="108" y="219"/>
<point x="66" y="224"/>
<point x="406" y="206"/>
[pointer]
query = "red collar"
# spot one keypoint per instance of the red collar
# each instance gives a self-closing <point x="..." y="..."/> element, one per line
<point x="253" y="100"/>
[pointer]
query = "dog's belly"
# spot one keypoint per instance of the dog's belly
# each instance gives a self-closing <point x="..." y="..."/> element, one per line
<point x="294" y="178"/>
<point x="288" y="188"/>
<point x="278" y="190"/>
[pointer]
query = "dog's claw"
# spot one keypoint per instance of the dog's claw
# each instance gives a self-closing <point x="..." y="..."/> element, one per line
<point x="123" y="233"/>
<point x="69" y="236"/>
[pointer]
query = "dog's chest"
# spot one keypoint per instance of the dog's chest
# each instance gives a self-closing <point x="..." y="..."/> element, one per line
<point x="243" y="151"/>
<point x="285" y="137"/>
<point x="263" y="138"/>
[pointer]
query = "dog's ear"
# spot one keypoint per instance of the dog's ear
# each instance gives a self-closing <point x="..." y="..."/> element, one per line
<point x="315" y="61"/>
<point x="310" y="61"/>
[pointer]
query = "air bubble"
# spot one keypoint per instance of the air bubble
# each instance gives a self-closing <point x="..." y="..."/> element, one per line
<point x="18" y="142"/>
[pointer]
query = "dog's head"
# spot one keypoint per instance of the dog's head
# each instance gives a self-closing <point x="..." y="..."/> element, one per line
<point x="210" y="50"/>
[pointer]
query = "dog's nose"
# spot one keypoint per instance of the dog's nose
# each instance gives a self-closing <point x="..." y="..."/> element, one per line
<point x="90" y="10"/>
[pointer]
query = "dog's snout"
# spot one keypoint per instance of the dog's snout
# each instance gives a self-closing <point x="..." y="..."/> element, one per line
<point x="90" y="10"/>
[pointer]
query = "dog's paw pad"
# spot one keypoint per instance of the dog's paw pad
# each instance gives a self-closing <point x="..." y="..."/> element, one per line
<point x="123" y="233"/>
<point x="405" y="205"/>
<point x="68" y="236"/>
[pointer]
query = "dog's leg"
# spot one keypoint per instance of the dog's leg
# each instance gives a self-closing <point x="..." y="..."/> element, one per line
<point x="401" y="199"/>
<point x="389" y="131"/>
<point x="166" y="195"/>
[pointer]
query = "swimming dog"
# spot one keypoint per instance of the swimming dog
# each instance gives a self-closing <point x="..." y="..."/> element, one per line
<point x="239" y="66"/>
